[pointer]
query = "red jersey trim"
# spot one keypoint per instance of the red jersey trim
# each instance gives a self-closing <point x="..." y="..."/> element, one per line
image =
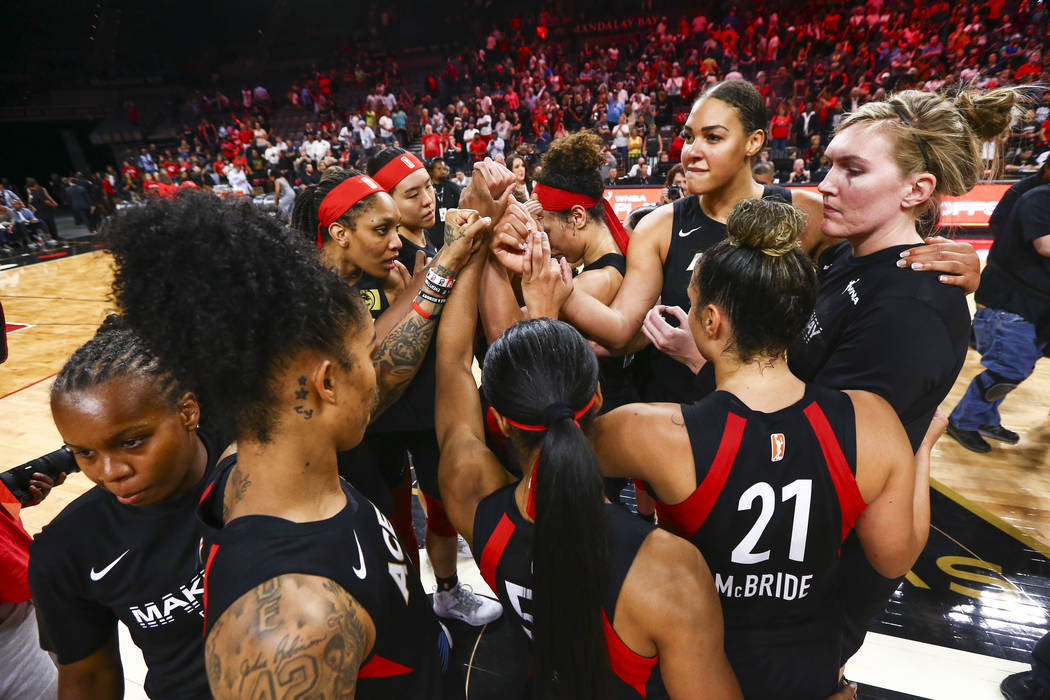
<point x="632" y="668"/>
<point x="207" y="569"/>
<point x="851" y="504"/>
<point x="494" y="548"/>
<point x="685" y="518"/>
<point x="206" y="492"/>
<point x="378" y="667"/>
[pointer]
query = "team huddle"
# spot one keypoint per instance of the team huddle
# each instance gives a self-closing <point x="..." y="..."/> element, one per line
<point x="764" y="364"/>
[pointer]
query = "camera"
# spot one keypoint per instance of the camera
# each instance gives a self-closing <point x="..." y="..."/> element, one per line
<point x="674" y="192"/>
<point x="52" y="464"/>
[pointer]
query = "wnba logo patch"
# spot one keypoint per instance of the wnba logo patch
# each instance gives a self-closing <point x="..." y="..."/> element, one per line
<point x="776" y="443"/>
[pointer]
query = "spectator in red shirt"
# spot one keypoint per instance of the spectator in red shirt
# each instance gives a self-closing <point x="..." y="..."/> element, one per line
<point x="433" y="144"/>
<point x="780" y="128"/>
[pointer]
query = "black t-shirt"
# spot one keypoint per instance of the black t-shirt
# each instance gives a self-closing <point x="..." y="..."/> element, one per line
<point x="660" y="377"/>
<point x="100" y="560"/>
<point x="895" y="332"/>
<point x="357" y="549"/>
<point x="1017" y="278"/>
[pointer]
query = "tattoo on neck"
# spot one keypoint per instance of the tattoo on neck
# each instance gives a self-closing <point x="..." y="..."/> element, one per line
<point x="763" y="365"/>
<point x="306" y="413"/>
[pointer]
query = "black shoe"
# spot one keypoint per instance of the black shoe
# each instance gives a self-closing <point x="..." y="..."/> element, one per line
<point x="1022" y="686"/>
<point x="970" y="439"/>
<point x="998" y="432"/>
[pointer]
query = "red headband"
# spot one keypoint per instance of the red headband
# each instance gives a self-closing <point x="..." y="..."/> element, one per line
<point x="397" y="170"/>
<point x="553" y="199"/>
<point x="540" y="428"/>
<point x="345" y="195"/>
<point x="530" y="506"/>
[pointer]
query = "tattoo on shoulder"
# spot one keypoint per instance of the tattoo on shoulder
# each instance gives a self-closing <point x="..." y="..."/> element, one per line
<point x="677" y="419"/>
<point x="240" y="481"/>
<point x="285" y="651"/>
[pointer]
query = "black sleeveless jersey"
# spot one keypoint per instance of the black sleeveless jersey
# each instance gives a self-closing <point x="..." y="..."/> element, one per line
<point x="898" y="333"/>
<point x="357" y="549"/>
<point x="777" y="495"/>
<point x="692" y="233"/>
<point x="503" y="550"/>
<point x="615" y="372"/>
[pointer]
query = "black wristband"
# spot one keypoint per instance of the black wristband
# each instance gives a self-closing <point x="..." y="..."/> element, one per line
<point x="431" y="298"/>
<point x="438" y="290"/>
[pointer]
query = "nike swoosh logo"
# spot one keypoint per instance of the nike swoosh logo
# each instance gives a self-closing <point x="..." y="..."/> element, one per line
<point x="360" y="571"/>
<point x="97" y="575"/>
<point x="683" y="234"/>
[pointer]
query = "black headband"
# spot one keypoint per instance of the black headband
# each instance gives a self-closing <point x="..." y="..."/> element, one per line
<point x="918" y="140"/>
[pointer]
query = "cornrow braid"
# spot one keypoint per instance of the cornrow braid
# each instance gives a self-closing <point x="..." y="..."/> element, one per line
<point x="114" y="352"/>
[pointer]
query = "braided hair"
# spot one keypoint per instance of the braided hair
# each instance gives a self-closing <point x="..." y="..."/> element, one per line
<point x="114" y="352"/>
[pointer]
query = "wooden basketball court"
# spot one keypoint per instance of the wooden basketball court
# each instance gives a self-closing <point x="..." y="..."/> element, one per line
<point x="61" y="302"/>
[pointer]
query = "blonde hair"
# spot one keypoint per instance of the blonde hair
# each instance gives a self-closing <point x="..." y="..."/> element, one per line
<point x="770" y="227"/>
<point x="941" y="135"/>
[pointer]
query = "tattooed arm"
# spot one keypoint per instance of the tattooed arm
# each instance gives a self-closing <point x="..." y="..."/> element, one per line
<point x="400" y="353"/>
<point x="292" y="636"/>
<point x="468" y="470"/>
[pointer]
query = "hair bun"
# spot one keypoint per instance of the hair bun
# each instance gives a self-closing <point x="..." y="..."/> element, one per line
<point x="987" y="113"/>
<point x="579" y="153"/>
<point x="766" y="225"/>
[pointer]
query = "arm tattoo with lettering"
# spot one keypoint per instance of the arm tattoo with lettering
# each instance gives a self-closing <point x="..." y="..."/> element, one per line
<point x="399" y="356"/>
<point x="453" y="231"/>
<point x="274" y="647"/>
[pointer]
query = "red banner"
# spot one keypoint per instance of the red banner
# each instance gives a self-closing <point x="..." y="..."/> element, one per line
<point x="971" y="209"/>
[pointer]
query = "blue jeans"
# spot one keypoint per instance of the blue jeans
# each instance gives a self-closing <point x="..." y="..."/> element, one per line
<point x="1009" y="349"/>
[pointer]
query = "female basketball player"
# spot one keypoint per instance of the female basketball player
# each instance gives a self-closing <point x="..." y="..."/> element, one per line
<point x="768" y="474"/>
<point x="593" y="588"/>
<point x="723" y="132"/>
<point x="407" y="428"/>
<point x="127" y="549"/>
<point x="308" y="590"/>
<point x="900" y="335"/>
<point x="581" y="228"/>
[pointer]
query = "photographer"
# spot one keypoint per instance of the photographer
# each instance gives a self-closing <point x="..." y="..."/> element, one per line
<point x="28" y="671"/>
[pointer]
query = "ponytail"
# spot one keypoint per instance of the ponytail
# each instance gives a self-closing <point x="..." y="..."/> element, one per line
<point x="570" y="567"/>
<point x="542" y="377"/>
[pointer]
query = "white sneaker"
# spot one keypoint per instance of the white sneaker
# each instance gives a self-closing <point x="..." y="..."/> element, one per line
<point x="463" y="549"/>
<point x="461" y="603"/>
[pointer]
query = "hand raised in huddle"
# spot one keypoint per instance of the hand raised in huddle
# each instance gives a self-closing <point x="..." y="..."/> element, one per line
<point x="509" y="245"/>
<point x="465" y="231"/>
<point x="545" y="282"/>
<point x="488" y="191"/>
